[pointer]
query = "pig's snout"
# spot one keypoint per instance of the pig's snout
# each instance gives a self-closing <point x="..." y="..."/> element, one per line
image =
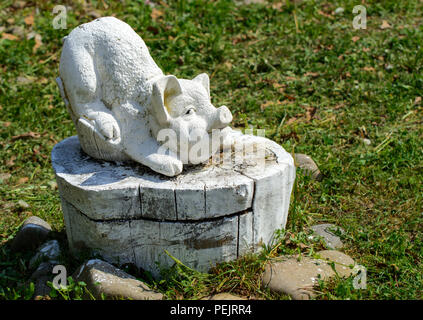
<point x="222" y="118"/>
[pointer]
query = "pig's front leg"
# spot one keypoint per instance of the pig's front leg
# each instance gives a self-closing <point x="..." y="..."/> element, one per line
<point x="164" y="164"/>
<point x="147" y="153"/>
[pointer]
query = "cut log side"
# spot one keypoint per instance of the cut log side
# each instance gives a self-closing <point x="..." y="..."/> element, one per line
<point x="208" y="214"/>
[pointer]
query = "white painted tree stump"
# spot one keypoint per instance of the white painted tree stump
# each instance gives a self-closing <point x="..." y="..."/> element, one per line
<point x="208" y="214"/>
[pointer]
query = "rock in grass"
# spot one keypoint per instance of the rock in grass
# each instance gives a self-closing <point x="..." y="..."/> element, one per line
<point x="49" y="251"/>
<point x="339" y="10"/>
<point x="42" y="289"/>
<point x="103" y="278"/>
<point x="32" y="233"/>
<point x="366" y="141"/>
<point x="23" y="204"/>
<point x="41" y="276"/>
<point x="326" y="231"/>
<point x="309" y="167"/>
<point x="45" y="268"/>
<point x="342" y="262"/>
<point x="297" y="277"/>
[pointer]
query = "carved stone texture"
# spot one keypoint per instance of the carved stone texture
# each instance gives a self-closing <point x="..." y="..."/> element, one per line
<point x="120" y="101"/>
<point x="208" y="214"/>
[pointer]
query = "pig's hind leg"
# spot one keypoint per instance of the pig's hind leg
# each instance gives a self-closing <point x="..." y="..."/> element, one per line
<point x="83" y="89"/>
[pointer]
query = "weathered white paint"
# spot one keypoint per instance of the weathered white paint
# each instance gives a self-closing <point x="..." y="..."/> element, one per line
<point x="208" y="214"/>
<point x="107" y="190"/>
<point x="110" y="239"/>
<point x="120" y="100"/>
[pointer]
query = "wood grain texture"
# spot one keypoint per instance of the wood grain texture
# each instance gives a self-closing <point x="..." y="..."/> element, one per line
<point x="208" y="214"/>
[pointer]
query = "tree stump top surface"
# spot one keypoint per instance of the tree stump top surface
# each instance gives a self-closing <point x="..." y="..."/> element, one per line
<point x="127" y="190"/>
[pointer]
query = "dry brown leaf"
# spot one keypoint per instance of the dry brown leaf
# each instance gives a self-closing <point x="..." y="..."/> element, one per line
<point x="418" y="100"/>
<point x="366" y="49"/>
<point x="155" y="14"/>
<point x="311" y="74"/>
<point x="23" y="180"/>
<point x="38" y="43"/>
<point x="7" y="124"/>
<point x="385" y="25"/>
<point x="105" y="5"/>
<point x="9" y="36"/>
<point x="291" y="78"/>
<point x="311" y="111"/>
<point x="355" y="38"/>
<point x="327" y="15"/>
<point x="239" y="38"/>
<point x="303" y="246"/>
<point x="29" y="20"/>
<point x="31" y="134"/>
<point x="370" y="69"/>
<point x="277" y="5"/>
<point x="279" y="87"/>
<point x="269" y="103"/>
<point x="291" y="120"/>
<point x="228" y="65"/>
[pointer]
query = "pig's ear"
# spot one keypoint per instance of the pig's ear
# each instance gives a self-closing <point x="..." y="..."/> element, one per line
<point x="203" y="78"/>
<point x="162" y="89"/>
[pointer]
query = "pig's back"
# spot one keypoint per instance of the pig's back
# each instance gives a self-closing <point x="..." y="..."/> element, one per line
<point x="121" y="60"/>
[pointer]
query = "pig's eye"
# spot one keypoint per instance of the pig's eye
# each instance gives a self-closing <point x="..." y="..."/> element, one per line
<point x="190" y="111"/>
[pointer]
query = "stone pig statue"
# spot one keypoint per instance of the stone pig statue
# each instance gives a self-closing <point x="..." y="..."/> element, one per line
<point x="120" y="100"/>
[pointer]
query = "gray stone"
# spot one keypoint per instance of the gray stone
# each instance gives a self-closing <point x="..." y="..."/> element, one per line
<point x="18" y="31"/>
<point x="103" y="278"/>
<point x="342" y="262"/>
<point x="45" y="268"/>
<point x="41" y="288"/>
<point x="326" y="231"/>
<point x="366" y="141"/>
<point x="23" y="204"/>
<point x="19" y="4"/>
<point x="41" y="276"/>
<point x="339" y="10"/>
<point x="49" y="251"/>
<point x="308" y="166"/>
<point x="32" y="233"/>
<point x="297" y="275"/>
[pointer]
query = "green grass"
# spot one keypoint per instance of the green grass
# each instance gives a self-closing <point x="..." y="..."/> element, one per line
<point x="316" y="86"/>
